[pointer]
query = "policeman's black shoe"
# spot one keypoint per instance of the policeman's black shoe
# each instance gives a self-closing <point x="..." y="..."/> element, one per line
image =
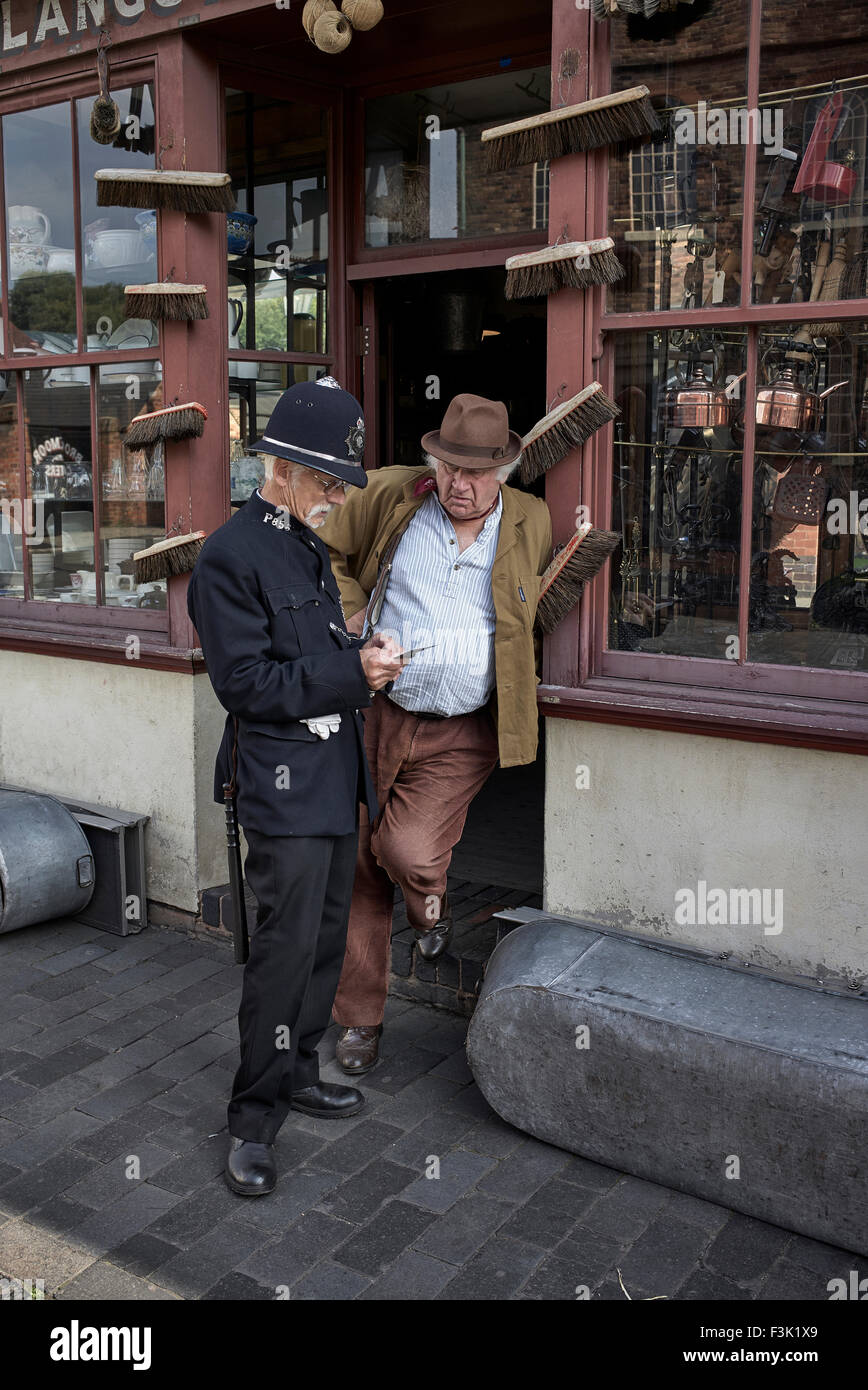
<point x="328" y="1101"/>
<point x="250" y="1168"/>
<point x="433" y="943"/>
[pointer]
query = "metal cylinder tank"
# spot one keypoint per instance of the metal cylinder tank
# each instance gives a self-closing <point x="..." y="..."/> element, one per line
<point x="46" y="865"/>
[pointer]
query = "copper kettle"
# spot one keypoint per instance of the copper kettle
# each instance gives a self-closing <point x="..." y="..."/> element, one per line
<point x="697" y="403"/>
<point x="784" y="404"/>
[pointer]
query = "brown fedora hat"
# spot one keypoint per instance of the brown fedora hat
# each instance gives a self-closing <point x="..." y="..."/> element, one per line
<point x="475" y="433"/>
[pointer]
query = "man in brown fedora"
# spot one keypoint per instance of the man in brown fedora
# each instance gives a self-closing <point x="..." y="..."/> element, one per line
<point x="447" y="559"/>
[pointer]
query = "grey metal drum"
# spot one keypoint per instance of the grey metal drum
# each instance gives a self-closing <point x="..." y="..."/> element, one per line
<point x="46" y="865"/>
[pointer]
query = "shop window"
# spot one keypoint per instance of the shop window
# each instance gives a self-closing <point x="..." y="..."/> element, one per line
<point x="426" y="176"/>
<point x="278" y="243"/>
<point x="740" y="458"/>
<point x="677" y="493"/>
<point x="810" y="193"/>
<point x="75" y="504"/>
<point x="676" y="204"/>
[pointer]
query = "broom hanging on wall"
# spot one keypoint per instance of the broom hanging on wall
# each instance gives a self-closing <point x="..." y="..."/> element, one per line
<point x="165" y="300"/>
<point x="573" y="265"/>
<point x="173" y="190"/>
<point x="626" y="115"/>
<point x="174" y="555"/>
<point x="173" y="422"/>
<point x="581" y="558"/>
<point x="564" y="429"/>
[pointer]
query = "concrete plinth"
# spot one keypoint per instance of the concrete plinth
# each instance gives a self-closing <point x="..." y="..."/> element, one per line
<point x="736" y="1088"/>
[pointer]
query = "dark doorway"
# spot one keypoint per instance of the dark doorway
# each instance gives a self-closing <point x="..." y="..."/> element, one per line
<point x="438" y="335"/>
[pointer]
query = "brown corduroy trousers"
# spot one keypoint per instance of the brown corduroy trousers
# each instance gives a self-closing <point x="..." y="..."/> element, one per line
<point x="426" y="773"/>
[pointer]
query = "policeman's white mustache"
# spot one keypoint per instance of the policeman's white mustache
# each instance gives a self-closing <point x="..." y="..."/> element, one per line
<point x="321" y="509"/>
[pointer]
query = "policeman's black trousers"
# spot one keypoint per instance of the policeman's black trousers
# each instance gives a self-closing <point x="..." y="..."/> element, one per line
<point x="303" y="886"/>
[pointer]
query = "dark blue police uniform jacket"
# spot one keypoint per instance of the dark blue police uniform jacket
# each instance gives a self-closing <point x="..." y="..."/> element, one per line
<point x="267" y="610"/>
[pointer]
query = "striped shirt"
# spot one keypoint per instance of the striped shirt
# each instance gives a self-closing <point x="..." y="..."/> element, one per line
<point x="440" y="596"/>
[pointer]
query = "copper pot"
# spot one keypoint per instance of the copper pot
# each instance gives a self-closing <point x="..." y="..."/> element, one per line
<point x="784" y="404"/>
<point x="698" y="404"/>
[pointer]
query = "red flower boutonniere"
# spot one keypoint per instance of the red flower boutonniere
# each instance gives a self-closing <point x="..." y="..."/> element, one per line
<point x="424" y="485"/>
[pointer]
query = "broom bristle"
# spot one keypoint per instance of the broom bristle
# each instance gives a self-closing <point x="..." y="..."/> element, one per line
<point x="590" y="263"/>
<point x="568" y="427"/>
<point x="581" y="558"/>
<point x="172" y="191"/>
<point x="165" y="301"/>
<point x="177" y="555"/>
<point x="606" y="121"/>
<point x="105" y="121"/>
<point x="173" y="422"/>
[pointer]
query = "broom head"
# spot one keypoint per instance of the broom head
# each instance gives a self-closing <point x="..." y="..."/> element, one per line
<point x="105" y="120"/>
<point x="565" y="429"/>
<point x="165" y="300"/>
<point x="575" y="265"/>
<point x="175" y="190"/>
<point x="173" y="422"/>
<point x="608" y="120"/>
<point x="581" y="558"/>
<point x="176" y="555"/>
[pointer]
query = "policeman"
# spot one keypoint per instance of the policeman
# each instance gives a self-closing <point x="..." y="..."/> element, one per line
<point x="268" y="613"/>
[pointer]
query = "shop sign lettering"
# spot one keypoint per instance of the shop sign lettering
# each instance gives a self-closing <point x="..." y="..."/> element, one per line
<point x="28" y="25"/>
<point x="51" y="447"/>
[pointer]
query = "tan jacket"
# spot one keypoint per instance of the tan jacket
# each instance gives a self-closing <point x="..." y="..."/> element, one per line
<point x="359" y="532"/>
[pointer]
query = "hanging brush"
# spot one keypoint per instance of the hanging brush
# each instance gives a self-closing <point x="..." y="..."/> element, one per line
<point x="105" y="117"/>
<point x="165" y="300"/>
<point x="174" y="555"/>
<point x="174" y="190"/>
<point x="834" y="282"/>
<point x="172" y="422"/>
<point x="626" y="115"/>
<point x="581" y="558"/>
<point x="573" y="265"/>
<point x="564" y="429"/>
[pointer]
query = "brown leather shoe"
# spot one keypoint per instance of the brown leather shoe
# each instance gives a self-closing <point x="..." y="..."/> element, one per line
<point x="358" y="1049"/>
<point x="433" y="943"/>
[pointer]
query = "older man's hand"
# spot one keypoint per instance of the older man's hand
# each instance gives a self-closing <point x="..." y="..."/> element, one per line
<point x="381" y="659"/>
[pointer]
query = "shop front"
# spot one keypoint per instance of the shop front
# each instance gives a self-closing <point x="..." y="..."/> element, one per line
<point x="705" y="705"/>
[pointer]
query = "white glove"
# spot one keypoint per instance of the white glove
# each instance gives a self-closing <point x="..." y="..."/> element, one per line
<point x="324" y="724"/>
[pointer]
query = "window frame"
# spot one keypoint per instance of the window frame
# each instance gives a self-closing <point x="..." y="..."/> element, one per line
<point x="42" y="617"/>
<point x="582" y="679"/>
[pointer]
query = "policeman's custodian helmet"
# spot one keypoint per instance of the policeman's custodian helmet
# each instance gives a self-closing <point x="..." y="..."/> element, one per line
<point x="318" y="424"/>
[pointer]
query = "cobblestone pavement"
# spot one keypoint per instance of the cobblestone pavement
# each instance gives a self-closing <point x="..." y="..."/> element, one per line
<point x="116" y="1057"/>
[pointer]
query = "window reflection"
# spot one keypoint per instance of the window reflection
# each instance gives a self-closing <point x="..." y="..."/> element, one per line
<point x="60" y="484"/>
<point x="677" y="491"/>
<point x="250" y="406"/>
<point x="426" y="175"/>
<point x="119" y="245"/>
<point x="132" y="509"/>
<point x="809" y="562"/>
<point x="676" y="202"/>
<point x="14" y="512"/>
<point x="40" y="214"/>
<point x="278" y="241"/>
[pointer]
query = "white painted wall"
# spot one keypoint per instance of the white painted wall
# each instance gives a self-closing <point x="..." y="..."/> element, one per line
<point x="127" y="737"/>
<point x="665" y="810"/>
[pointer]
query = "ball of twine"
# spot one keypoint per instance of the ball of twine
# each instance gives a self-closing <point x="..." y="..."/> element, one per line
<point x="363" y="14"/>
<point x="332" y="32"/>
<point x="312" y="11"/>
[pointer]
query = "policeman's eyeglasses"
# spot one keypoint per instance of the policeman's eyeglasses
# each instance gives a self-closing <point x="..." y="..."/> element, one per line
<point x="332" y="484"/>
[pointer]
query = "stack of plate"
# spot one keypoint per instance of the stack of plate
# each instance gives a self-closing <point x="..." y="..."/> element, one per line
<point x="118" y="549"/>
<point x="42" y="562"/>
